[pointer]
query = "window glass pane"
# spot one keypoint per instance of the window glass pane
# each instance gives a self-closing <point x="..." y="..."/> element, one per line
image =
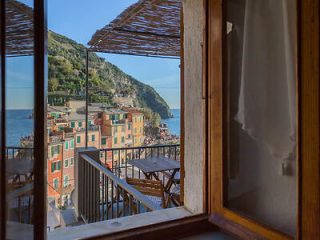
<point x="260" y="111"/>
<point x="19" y="132"/>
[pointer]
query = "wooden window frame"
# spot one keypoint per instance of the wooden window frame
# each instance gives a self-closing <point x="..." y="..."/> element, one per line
<point x="308" y="181"/>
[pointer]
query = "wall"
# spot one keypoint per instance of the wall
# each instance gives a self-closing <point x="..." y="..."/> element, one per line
<point x="194" y="105"/>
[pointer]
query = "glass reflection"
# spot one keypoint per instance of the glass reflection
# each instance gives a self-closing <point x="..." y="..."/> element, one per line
<point x="260" y="103"/>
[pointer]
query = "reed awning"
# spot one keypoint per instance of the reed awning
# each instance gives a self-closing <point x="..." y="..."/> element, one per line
<point x="19" y="29"/>
<point x="146" y="28"/>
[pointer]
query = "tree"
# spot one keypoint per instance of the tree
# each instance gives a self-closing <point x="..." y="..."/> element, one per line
<point x="53" y="84"/>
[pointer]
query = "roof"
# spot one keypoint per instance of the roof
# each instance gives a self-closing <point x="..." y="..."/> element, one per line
<point x="76" y="116"/>
<point x="132" y="110"/>
<point x="147" y="28"/>
<point x="19" y="29"/>
<point x="62" y="109"/>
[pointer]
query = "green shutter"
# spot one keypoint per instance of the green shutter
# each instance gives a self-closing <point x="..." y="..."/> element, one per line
<point x="115" y="140"/>
<point x="73" y="124"/>
<point x="72" y="143"/>
<point x="80" y="124"/>
<point x="67" y="145"/>
<point x="52" y="150"/>
<point x="78" y="139"/>
<point x="103" y="141"/>
<point x="93" y="138"/>
<point x="66" y="163"/>
<point x="122" y="139"/>
<point x="52" y="167"/>
<point x="59" y="165"/>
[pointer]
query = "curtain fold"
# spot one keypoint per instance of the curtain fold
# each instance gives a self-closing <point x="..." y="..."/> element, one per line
<point x="267" y="100"/>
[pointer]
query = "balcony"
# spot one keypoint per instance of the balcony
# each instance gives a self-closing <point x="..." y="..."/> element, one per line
<point x="101" y="189"/>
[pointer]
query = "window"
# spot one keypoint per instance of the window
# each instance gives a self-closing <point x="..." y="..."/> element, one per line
<point x="93" y="137"/>
<point x="65" y="180"/>
<point x="115" y="129"/>
<point x="129" y="126"/>
<point x="129" y="136"/>
<point x="72" y="144"/>
<point x="79" y="124"/>
<point x="55" y="166"/>
<point x="66" y="163"/>
<point x="71" y="161"/>
<point x="52" y="150"/>
<point x="73" y="124"/>
<point x="52" y="167"/>
<point x="56" y="183"/>
<point x="103" y="141"/>
<point x="123" y="128"/>
<point x="67" y="145"/>
<point x="115" y="140"/>
<point x="122" y="139"/>
<point x="58" y="165"/>
<point x="135" y="130"/>
<point x="78" y="139"/>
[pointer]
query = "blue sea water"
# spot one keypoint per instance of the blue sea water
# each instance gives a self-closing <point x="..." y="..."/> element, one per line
<point x="18" y="125"/>
<point x="174" y="123"/>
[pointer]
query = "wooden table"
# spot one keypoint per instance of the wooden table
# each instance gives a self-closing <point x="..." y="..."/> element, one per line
<point x="151" y="166"/>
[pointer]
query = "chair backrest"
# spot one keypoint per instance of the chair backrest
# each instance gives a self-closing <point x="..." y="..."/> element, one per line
<point x="148" y="187"/>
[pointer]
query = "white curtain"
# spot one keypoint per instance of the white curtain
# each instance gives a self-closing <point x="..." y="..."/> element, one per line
<point x="267" y="100"/>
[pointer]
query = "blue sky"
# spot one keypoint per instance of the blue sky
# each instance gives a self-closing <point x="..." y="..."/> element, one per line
<point x="78" y="20"/>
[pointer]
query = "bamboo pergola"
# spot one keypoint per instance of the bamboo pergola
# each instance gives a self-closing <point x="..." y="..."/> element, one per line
<point x="146" y="28"/>
<point x="19" y="29"/>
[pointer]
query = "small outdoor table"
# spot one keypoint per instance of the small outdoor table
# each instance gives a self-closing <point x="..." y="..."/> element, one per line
<point x="150" y="166"/>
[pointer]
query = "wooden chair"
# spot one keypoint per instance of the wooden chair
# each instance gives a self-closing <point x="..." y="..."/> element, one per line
<point x="153" y="189"/>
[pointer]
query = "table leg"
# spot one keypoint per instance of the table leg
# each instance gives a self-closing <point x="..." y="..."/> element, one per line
<point x="170" y="181"/>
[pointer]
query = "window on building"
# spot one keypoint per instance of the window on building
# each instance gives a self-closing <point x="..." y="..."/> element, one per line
<point x="93" y="137"/>
<point x="67" y="145"/>
<point x="135" y="130"/>
<point x="71" y="161"/>
<point x="55" y="166"/>
<point x="115" y="140"/>
<point x="55" y="183"/>
<point x="58" y="165"/>
<point x="122" y="139"/>
<point x="73" y="124"/>
<point x="129" y="126"/>
<point x="66" y="163"/>
<point x="103" y="141"/>
<point x="66" y="181"/>
<point x="79" y="124"/>
<point x="72" y="143"/>
<point x="129" y="136"/>
<point x="78" y="139"/>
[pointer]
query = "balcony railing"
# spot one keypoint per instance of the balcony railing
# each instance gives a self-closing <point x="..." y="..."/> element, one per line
<point x="102" y="191"/>
<point x="102" y="195"/>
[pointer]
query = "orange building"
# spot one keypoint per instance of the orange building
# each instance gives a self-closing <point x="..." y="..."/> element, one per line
<point x="137" y="125"/>
<point x="54" y="174"/>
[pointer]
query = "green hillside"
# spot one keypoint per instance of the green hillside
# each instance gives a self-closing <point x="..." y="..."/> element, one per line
<point x="106" y="81"/>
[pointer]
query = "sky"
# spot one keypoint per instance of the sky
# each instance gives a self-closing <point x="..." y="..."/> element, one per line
<point x="78" y="20"/>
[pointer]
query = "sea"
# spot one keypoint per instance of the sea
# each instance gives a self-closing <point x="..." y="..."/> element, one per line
<point x="19" y="124"/>
<point x="173" y="123"/>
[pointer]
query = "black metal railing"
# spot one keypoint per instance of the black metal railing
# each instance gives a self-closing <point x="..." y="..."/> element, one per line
<point x="102" y="191"/>
<point x="102" y="195"/>
<point x="116" y="159"/>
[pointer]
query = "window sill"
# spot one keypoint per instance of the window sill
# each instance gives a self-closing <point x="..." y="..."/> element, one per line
<point x="119" y="224"/>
